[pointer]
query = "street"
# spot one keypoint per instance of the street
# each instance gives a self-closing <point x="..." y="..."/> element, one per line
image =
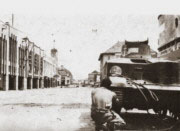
<point x="61" y="109"/>
<point x="52" y="109"/>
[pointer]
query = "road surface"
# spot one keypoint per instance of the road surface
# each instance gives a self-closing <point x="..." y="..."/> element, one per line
<point x="52" y="109"/>
<point x="61" y="109"/>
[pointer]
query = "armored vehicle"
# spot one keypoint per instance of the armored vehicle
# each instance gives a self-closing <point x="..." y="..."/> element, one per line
<point x="145" y="84"/>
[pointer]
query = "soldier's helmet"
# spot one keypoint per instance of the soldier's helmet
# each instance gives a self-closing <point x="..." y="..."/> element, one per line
<point x="106" y="82"/>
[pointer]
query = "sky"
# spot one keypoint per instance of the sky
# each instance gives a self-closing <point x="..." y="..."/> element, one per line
<point x="82" y="30"/>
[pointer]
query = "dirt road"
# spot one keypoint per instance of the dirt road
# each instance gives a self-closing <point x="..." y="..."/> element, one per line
<point x="61" y="109"/>
<point x="53" y="109"/>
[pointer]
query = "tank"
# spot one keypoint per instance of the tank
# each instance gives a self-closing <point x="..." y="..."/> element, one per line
<point x="145" y="84"/>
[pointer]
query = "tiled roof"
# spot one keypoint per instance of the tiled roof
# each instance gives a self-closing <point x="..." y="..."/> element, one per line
<point x="116" y="48"/>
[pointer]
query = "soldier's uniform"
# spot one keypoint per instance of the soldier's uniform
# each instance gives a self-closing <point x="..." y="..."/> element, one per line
<point x="101" y="106"/>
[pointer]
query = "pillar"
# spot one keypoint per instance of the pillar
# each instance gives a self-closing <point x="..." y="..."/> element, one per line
<point x="25" y="83"/>
<point x="32" y="66"/>
<point x="17" y="82"/>
<point x="7" y="60"/>
<point x="17" y="66"/>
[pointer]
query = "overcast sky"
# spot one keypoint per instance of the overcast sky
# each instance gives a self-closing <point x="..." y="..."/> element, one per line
<point x="83" y="30"/>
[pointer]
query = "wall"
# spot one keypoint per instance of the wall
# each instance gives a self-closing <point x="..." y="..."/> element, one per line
<point x="169" y="37"/>
<point x="169" y="28"/>
<point x="50" y="68"/>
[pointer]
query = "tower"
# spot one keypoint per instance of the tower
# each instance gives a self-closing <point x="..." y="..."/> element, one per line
<point x="54" y="54"/>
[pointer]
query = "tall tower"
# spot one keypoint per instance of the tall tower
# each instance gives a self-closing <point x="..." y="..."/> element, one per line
<point x="54" y="54"/>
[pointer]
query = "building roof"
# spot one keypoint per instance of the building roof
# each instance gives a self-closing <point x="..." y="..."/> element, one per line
<point x="64" y="72"/>
<point x="116" y="48"/>
<point x="95" y="72"/>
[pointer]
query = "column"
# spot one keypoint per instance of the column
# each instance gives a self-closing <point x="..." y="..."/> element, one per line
<point x="25" y="69"/>
<point x="16" y="79"/>
<point x="7" y="58"/>
<point x="17" y="66"/>
<point x="32" y="66"/>
<point x="39" y="68"/>
<point x="42" y="82"/>
<point x="25" y="83"/>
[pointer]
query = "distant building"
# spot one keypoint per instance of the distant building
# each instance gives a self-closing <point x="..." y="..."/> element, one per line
<point x="169" y="37"/>
<point x="21" y="61"/>
<point x="50" y="69"/>
<point x="94" y="78"/>
<point x="130" y="49"/>
<point x="23" y="64"/>
<point x="66" y="76"/>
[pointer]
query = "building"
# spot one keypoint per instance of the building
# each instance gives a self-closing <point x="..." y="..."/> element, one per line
<point x="21" y="60"/>
<point x="51" y="77"/>
<point x="8" y="57"/>
<point x="66" y="76"/>
<point x="128" y="49"/>
<point x="94" y="78"/>
<point x="30" y="65"/>
<point x="22" y="63"/>
<point x="169" y="37"/>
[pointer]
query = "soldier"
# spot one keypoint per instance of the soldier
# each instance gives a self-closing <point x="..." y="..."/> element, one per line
<point x="101" y="106"/>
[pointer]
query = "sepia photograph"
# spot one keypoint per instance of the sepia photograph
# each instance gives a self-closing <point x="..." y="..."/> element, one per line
<point x="89" y="65"/>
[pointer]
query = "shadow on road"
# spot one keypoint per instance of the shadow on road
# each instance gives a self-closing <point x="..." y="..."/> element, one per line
<point x="135" y="122"/>
<point x="147" y="122"/>
<point x="87" y="122"/>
